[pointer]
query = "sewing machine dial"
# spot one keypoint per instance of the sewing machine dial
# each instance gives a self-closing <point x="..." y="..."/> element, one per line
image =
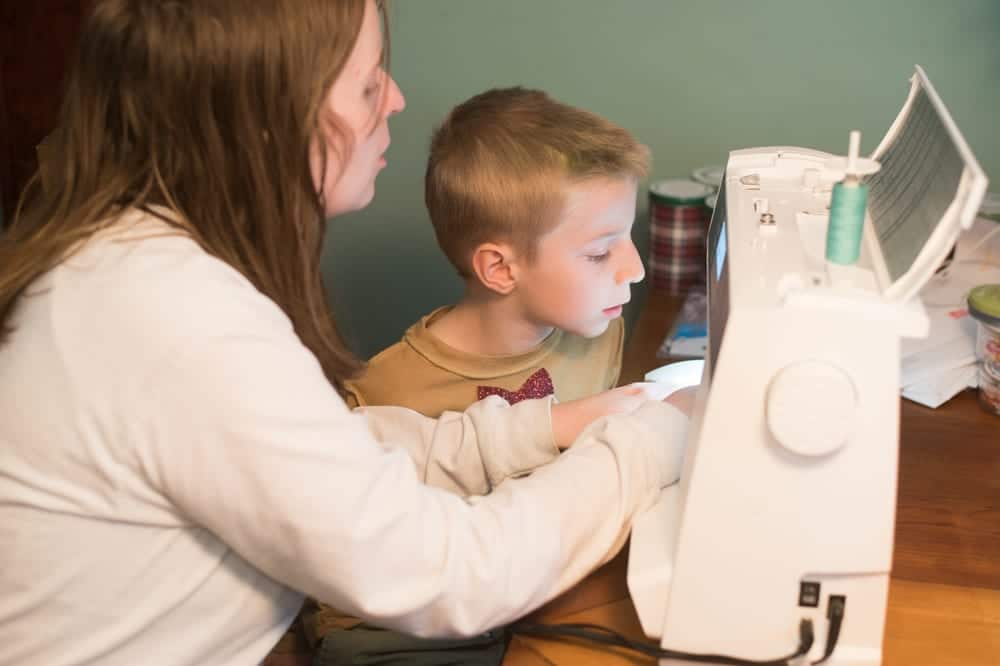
<point x="811" y="407"/>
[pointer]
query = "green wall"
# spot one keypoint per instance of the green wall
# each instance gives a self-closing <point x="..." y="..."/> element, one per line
<point x="692" y="79"/>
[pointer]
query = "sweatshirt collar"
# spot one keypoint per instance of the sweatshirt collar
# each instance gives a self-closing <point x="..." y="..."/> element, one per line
<point x="474" y="366"/>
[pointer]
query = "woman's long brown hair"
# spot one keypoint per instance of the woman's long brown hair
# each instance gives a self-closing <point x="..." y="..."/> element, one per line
<point x="207" y="108"/>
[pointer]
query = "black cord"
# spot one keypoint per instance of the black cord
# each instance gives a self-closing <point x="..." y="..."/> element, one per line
<point x="835" y="613"/>
<point x="598" y="634"/>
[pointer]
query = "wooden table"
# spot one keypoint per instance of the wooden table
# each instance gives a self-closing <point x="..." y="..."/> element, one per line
<point x="944" y="593"/>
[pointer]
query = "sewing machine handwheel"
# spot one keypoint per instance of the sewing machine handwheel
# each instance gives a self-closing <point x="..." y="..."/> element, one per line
<point x="811" y="407"/>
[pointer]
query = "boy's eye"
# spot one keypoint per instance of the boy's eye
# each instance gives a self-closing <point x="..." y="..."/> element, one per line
<point x="597" y="258"/>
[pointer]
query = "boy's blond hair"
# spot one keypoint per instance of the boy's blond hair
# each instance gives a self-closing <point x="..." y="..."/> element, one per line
<point x="501" y="162"/>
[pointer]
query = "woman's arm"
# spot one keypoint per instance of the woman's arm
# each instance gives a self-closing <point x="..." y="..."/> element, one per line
<point x="247" y="438"/>
<point x="470" y="452"/>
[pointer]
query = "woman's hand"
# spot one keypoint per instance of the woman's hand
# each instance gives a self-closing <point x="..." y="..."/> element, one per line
<point x="683" y="399"/>
<point x="570" y="418"/>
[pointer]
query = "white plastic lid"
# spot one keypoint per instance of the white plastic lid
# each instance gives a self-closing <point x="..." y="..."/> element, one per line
<point x="680" y="191"/>
<point x="709" y="175"/>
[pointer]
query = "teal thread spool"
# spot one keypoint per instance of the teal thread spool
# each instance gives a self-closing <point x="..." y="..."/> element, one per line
<point x="847" y="221"/>
<point x="847" y="207"/>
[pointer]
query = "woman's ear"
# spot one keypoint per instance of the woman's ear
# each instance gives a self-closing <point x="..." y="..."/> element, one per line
<point x="493" y="265"/>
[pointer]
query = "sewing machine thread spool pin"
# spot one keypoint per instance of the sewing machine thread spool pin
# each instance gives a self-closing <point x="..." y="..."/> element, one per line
<point x="847" y="210"/>
<point x="763" y="208"/>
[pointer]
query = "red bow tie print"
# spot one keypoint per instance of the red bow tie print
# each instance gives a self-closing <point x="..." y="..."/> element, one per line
<point x="537" y="385"/>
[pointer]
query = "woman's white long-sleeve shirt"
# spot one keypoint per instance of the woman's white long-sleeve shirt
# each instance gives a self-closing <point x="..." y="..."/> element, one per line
<point x="176" y="471"/>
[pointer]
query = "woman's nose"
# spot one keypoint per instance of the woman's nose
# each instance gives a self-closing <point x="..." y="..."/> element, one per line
<point x="395" y="101"/>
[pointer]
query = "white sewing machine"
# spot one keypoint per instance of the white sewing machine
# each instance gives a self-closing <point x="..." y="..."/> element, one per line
<point x="786" y="505"/>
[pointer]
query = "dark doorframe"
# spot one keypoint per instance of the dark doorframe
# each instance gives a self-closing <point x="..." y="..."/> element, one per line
<point x="36" y="40"/>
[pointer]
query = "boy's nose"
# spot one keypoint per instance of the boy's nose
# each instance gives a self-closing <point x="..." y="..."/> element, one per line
<point x="631" y="269"/>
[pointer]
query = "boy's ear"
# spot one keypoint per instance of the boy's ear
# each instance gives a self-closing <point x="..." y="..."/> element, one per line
<point x="493" y="264"/>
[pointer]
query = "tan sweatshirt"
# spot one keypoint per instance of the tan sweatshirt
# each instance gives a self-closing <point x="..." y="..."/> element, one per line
<point x="426" y="375"/>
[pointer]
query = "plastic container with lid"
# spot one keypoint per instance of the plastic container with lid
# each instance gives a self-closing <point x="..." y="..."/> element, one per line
<point x="678" y="223"/>
<point x="989" y="388"/>
<point x="984" y="306"/>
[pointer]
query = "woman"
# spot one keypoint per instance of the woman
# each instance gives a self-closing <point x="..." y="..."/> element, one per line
<point x="177" y="465"/>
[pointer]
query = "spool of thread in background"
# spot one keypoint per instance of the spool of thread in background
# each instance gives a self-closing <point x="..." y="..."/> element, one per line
<point x="678" y="222"/>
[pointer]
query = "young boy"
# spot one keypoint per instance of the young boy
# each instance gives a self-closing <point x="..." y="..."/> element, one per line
<point x="533" y="202"/>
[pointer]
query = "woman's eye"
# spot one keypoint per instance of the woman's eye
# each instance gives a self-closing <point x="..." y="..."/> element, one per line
<point x="597" y="258"/>
<point x="372" y="88"/>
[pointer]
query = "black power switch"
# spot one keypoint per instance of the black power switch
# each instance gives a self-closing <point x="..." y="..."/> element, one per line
<point x="809" y="594"/>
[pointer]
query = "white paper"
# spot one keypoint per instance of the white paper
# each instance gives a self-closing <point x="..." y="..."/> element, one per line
<point x="936" y="368"/>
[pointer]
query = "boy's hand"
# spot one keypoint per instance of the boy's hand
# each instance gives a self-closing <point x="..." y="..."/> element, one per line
<point x="570" y="418"/>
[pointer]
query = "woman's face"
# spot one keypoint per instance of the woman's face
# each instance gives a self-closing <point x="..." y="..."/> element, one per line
<point x="362" y="99"/>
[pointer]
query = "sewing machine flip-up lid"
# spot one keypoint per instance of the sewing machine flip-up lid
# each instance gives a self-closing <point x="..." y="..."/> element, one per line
<point x="928" y="189"/>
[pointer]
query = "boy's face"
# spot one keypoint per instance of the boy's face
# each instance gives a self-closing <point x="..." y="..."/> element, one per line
<point x="584" y="267"/>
